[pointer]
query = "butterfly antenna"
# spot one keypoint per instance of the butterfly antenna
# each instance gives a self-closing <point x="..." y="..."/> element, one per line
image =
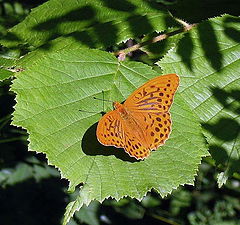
<point x="80" y="110"/>
<point x="102" y="113"/>
<point x="105" y="100"/>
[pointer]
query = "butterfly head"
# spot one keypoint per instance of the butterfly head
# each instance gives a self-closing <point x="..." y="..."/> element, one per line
<point x="117" y="105"/>
<point x="121" y="109"/>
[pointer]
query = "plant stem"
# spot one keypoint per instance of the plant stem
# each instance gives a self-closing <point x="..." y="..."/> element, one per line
<point x="122" y="53"/>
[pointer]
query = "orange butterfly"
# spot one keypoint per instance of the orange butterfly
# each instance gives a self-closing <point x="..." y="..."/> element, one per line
<point x="142" y="123"/>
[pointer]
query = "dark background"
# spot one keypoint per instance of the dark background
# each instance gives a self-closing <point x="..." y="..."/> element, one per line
<point x="32" y="193"/>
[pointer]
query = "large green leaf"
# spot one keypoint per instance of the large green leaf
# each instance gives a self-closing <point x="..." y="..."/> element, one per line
<point x="110" y="22"/>
<point x="49" y="95"/>
<point x="208" y="61"/>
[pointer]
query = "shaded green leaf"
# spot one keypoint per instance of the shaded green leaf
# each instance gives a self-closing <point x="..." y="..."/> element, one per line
<point x="22" y="172"/>
<point x="208" y="62"/>
<point x="5" y="74"/>
<point x="110" y="22"/>
<point x="5" y="65"/>
<point x="159" y="49"/>
<point x="89" y="214"/>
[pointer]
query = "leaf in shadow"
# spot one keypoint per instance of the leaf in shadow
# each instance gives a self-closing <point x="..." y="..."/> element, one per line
<point x="92" y="147"/>
<point x="84" y="37"/>
<point x="106" y="37"/>
<point x="230" y="30"/>
<point x="209" y="45"/>
<point x="230" y="161"/>
<point x="185" y="50"/>
<point x="229" y="100"/>
<point x="84" y="13"/>
<point x="122" y="5"/>
<point x="218" y="153"/>
<point x="141" y="24"/>
<point x="225" y="129"/>
<point x="232" y="33"/>
<point x="11" y="37"/>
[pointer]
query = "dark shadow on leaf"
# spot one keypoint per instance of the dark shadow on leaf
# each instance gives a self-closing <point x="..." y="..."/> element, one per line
<point x="209" y="45"/>
<point x="225" y="129"/>
<point x="228" y="99"/>
<point x="236" y="94"/>
<point x="93" y="32"/>
<point x="156" y="49"/>
<point x="170" y="22"/>
<point x="230" y="31"/>
<point x="142" y="24"/>
<point x="234" y="166"/>
<point x="222" y="157"/>
<point x="92" y="147"/>
<point x="11" y="37"/>
<point x="219" y="154"/>
<point x="155" y="5"/>
<point x="84" y="37"/>
<point x="232" y="20"/>
<point x="123" y="5"/>
<point x="185" y="50"/>
<point x="52" y="26"/>
<point x="106" y="37"/>
<point x="86" y="13"/>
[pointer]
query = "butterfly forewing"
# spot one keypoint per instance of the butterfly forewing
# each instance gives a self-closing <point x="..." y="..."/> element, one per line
<point x="135" y="147"/>
<point x="157" y="127"/>
<point x="155" y="96"/>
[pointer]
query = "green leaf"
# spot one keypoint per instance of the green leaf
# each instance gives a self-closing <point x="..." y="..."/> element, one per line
<point x="49" y="95"/>
<point x="208" y="61"/>
<point x="5" y="74"/>
<point x="110" y="22"/>
<point x="89" y="215"/>
<point x="131" y="210"/>
<point x="19" y="174"/>
<point x="149" y="201"/>
<point x="5" y="64"/>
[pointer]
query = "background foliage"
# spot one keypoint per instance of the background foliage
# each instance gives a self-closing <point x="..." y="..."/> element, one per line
<point x="34" y="191"/>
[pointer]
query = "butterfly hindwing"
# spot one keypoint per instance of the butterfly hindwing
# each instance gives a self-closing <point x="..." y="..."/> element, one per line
<point x="110" y="130"/>
<point x="135" y="146"/>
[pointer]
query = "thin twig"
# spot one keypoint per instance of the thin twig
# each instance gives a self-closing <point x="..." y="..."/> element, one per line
<point x="122" y="53"/>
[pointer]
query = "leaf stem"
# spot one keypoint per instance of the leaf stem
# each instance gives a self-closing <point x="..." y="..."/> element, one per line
<point x="122" y="53"/>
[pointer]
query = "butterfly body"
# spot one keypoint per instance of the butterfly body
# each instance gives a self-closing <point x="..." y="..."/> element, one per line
<point x="131" y="123"/>
<point x="121" y="110"/>
<point x="142" y="123"/>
